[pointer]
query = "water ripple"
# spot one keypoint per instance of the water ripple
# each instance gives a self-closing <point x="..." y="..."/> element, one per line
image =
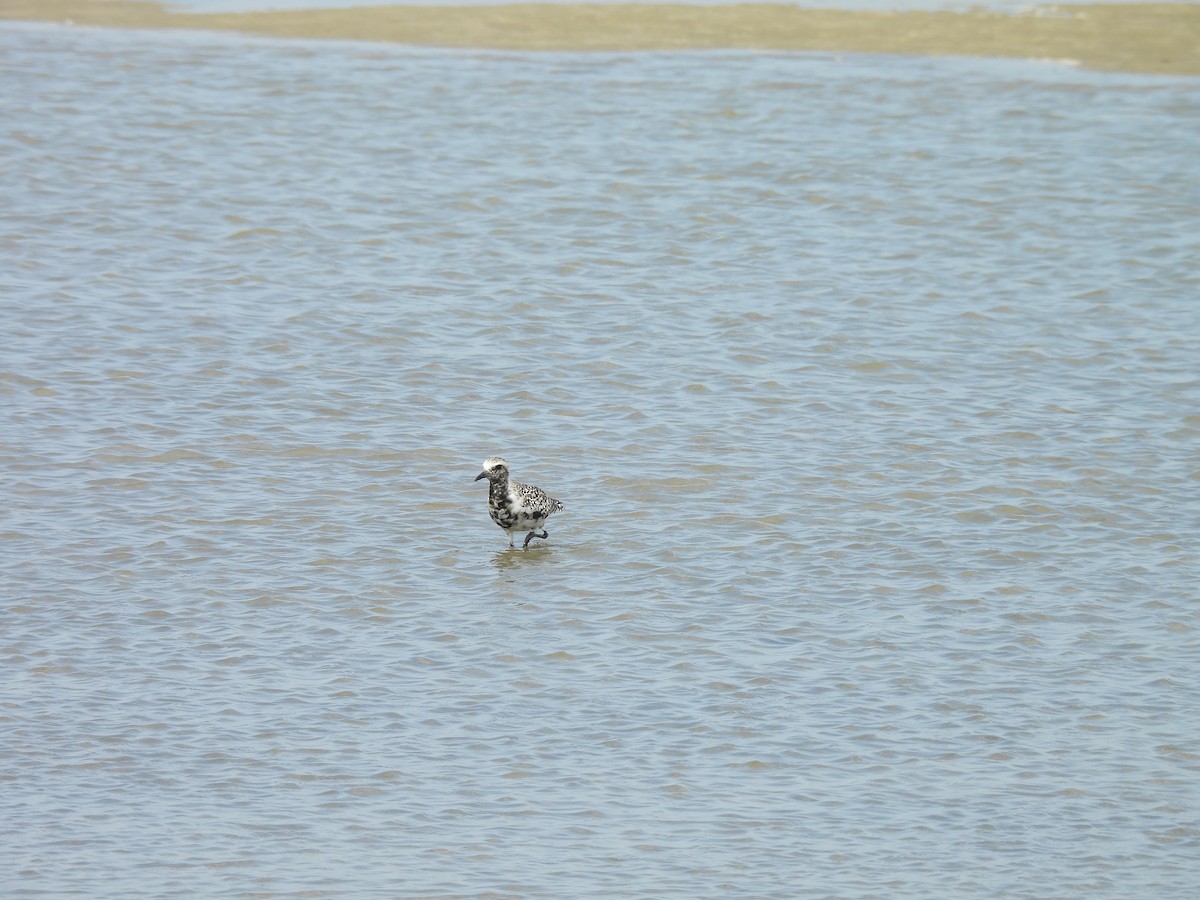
<point x="868" y="385"/>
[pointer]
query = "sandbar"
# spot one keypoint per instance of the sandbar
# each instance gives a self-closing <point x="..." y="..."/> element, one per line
<point x="1146" y="38"/>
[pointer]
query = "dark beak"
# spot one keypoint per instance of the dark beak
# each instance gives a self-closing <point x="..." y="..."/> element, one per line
<point x="481" y="475"/>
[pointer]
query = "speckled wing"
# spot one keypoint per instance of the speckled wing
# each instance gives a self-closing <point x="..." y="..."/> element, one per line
<point x="534" y="502"/>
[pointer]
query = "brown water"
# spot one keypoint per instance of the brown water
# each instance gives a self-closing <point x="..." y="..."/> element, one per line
<point x="1015" y="6"/>
<point x="870" y="387"/>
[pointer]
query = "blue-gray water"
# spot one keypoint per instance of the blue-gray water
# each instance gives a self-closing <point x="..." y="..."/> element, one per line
<point x="870" y="385"/>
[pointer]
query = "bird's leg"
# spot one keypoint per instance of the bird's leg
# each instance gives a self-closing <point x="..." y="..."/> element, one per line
<point x="533" y="534"/>
<point x="529" y="537"/>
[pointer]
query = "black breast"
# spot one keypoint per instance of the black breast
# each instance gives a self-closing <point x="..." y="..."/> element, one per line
<point x="499" y="505"/>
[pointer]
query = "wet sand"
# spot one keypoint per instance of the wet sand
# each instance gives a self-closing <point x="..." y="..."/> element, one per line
<point x="1157" y="38"/>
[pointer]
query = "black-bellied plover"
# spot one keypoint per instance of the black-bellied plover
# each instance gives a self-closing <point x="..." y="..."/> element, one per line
<point x="515" y="506"/>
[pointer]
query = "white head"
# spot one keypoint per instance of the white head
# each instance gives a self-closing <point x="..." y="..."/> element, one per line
<point x="493" y="468"/>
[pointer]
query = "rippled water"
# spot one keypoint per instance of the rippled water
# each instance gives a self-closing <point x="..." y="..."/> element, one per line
<point x="870" y="386"/>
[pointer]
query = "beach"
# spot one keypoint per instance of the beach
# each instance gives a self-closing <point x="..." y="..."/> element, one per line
<point x="1147" y="38"/>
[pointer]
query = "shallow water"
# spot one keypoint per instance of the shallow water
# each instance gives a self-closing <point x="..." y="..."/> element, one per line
<point x="869" y="385"/>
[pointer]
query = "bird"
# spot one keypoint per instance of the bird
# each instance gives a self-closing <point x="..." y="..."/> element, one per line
<point x="515" y="506"/>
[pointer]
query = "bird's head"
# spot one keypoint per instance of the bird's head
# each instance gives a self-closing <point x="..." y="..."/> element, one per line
<point x="494" y="468"/>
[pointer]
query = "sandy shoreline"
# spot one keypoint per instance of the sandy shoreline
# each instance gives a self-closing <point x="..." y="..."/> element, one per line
<point x="1154" y="38"/>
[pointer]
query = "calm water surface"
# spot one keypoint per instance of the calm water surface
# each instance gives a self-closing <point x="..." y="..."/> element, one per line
<point x="870" y="386"/>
